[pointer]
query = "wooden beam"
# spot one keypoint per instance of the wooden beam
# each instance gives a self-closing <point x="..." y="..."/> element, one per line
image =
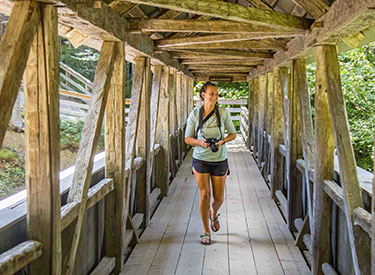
<point x="261" y="122"/>
<point x="228" y="53"/>
<point x="42" y="138"/>
<point x="207" y="26"/>
<point x="214" y="62"/>
<point x="306" y="129"/>
<point x="232" y="12"/>
<point x="14" y="47"/>
<point x="265" y="44"/>
<point x="121" y="7"/>
<point x="280" y="80"/>
<point x="344" y="18"/>
<point x="116" y="203"/>
<point x="221" y="70"/>
<point x="90" y="137"/>
<point x="219" y="38"/>
<point x="162" y="133"/>
<point x="218" y="67"/>
<point x="316" y="8"/>
<point x="143" y="187"/>
<point x="105" y="267"/>
<point x="19" y="256"/>
<point x="323" y="163"/>
<point x="347" y="164"/>
<point x="295" y="144"/>
<point x="256" y="115"/>
<point x="233" y="78"/>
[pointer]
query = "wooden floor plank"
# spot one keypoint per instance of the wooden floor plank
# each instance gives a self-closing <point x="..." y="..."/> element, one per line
<point x="143" y="254"/>
<point x="192" y="253"/>
<point x="241" y="256"/>
<point x="253" y="238"/>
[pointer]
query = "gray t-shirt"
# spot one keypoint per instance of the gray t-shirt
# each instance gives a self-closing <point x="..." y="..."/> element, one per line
<point x="209" y="130"/>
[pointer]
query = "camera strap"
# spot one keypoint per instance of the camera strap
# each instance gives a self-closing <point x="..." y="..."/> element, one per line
<point x="202" y="120"/>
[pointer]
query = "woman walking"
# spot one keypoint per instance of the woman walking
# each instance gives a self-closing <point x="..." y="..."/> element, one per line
<point x="205" y="131"/>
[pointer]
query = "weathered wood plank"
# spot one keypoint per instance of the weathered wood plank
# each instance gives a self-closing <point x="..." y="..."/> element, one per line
<point x="14" y="47"/>
<point x="105" y="266"/>
<point x="324" y="153"/>
<point x="256" y="115"/>
<point x="19" y="256"/>
<point x="232" y="12"/>
<point x="204" y="61"/>
<point x="90" y="137"/>
<point x="265" y="44"/>
<point x="347" y="164"/>
<point x="116" y="204"/>
<point x="261" y="114"/>
<point x="295" y="145"/>
<point x="162" y="132"/>
<point x="42" y="138"/>
<point x="227" y="53"/>
<point x="363" y="218"/>
<point x="280" y="79"/>
<point x="208" y="26"/>
<point x="219" y="38"/>
<point x="316" y="8"/>
<point x="306" y="129"/>
<point x="143" y="146"/>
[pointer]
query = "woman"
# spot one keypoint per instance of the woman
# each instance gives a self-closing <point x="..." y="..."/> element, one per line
<point x="210" y="155"/>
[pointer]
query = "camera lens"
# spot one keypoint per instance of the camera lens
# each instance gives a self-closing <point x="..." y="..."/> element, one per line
<point x="214" y="147"/>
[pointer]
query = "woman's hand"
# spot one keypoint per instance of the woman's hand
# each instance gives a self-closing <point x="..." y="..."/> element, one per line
<point x="219" y="143"/>
<point x="204" y="144"/>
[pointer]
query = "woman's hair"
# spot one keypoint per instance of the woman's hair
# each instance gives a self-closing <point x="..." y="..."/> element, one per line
<point x="204" y="88"/>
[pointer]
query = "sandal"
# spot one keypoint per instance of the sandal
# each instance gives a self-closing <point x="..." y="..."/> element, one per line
<point x="215" y="225"/>
<point x="206" y="239"/>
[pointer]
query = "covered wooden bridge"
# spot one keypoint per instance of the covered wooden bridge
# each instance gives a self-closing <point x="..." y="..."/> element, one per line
<point x="133" y="210"/>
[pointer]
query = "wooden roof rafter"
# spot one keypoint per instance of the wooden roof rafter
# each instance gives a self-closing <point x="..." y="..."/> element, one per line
<point x="229" y="11"/>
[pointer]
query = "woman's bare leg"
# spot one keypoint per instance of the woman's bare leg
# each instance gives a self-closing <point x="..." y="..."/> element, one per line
<point x="218" y="188"/>
<point x="203" y="181"/>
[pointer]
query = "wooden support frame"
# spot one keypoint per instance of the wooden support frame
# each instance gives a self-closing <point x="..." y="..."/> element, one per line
<point x="268" y="124"/>
<point x="234" y="12"/>
<point x="90" y="136"/>
<point x="324" y="154"/>
<point x="306" y="129"/>
<point x="117" y="202"/>
<point x="261" y="123"/>
<point x="143" y="187"/>
<point x="347" y="164"/>
<point x="172" y="124"/>
<point x="162" y="132"/>
<point x="280" y="82"/>
<point x="256" y="115"/>
<point x="179" y="105"/>
<point x="43" y="142"/>
<point x="14" y="47"/>
<point x="295" y="144"/>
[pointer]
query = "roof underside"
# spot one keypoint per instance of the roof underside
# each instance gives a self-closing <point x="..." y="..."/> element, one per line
<point x="205" y="39"/>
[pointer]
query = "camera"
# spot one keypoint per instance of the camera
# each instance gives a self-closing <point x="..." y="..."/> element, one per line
<point x="211" y="142"/>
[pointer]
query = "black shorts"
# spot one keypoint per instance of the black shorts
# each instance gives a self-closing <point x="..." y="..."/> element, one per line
<point x="214" y="168"/>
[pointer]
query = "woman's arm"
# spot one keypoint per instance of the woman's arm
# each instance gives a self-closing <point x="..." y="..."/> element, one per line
<point x="196" y="142"/>
<point x="228" y="138"/>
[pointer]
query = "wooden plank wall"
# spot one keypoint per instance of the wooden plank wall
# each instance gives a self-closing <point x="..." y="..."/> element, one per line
<point x="323" y="213"/>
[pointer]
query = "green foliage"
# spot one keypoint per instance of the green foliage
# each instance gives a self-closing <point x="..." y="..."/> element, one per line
<point x="71" y="134"/>
<point x="12" y="172"/>
<point x="357" y="68"/>
<point x="82" y="59"/>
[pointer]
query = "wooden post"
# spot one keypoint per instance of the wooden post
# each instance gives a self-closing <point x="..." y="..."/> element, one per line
<point x="117" y="202"/>
<point x="14" y="48"/>
<point x="280" y="80"/>
<point x="172" y="124"/>
<point x="256" y="116"/>
<point x="295" y="145"/>
<point x="43" y="143"/>
<point x="143" y="186"/>
<point x="250" y="100"/>
<point x="268" y="123"/>
<point x="324" y="153"/>
<point x="162" y="133"/>
<point x="261" y="125"/>
<point x="179" y="101"/>
<point x="306" y="129"/>
<point x="87" y="147"/>
<point x="347" y="164"/>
